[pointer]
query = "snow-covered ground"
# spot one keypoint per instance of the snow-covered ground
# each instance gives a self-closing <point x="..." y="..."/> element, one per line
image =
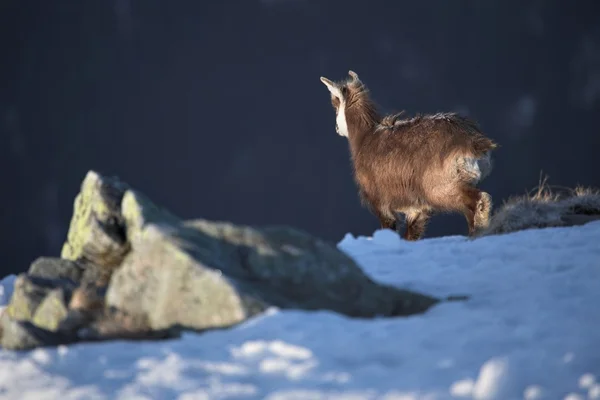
<point x="530" y="331"/>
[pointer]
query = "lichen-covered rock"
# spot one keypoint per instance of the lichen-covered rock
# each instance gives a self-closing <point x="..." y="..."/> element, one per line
<point x="202" y="274"/>
<point x="96" y="230"/>
<point x="117" y="324"/>
<point x="24" y="335"/>
<point x="36" y="309"/>
<point x="53" y="310"/>
<point x="16" y="336"/>
<point x="56" y="268"/>
<point x="25" y="299"/>
<point x="88" y="297"/>
<point x="138" y="211"/>
<point x="29" y="292"/>
<point x="173" y="288"/>
<point x="131" y="269"/>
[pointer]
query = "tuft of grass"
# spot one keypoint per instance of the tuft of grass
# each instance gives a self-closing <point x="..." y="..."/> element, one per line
<point x="545" y="206"/>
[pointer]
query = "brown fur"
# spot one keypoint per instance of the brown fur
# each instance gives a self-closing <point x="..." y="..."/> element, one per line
<point x="417" y="166"/>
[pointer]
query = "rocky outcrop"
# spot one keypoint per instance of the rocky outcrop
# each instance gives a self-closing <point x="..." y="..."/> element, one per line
<point x="130" y="269"/>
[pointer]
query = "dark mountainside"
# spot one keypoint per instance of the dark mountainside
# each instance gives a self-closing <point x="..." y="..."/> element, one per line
<point x="215" y="109"/>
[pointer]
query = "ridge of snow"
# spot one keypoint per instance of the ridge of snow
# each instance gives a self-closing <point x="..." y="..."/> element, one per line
<point x="530" y="330"/>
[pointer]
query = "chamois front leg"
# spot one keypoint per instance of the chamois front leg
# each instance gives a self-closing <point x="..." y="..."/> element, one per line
<point x="416" y="221"/>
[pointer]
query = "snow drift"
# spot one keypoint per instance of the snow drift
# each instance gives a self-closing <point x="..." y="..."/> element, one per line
<point x="530" y="330"/>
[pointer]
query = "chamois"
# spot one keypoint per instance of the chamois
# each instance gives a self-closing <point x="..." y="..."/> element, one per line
<point x="418" y="166"/>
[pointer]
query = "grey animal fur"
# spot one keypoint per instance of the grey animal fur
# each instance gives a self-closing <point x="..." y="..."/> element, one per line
<point x="545" y="209"/>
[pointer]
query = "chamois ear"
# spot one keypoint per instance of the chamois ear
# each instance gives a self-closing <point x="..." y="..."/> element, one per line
<point x="333" y="88"/>
<point x="354" y="76"/>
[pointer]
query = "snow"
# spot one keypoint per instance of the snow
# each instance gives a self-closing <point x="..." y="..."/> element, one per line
<point x="6" y="289"/>
<point x="531" y="330"/>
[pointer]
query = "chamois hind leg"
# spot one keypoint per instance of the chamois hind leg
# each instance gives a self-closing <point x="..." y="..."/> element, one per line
<point x="483" y="210"/>
<point x="416" y="220"/>
<point x="385" y="220"/>
<point x="476" y="208"/>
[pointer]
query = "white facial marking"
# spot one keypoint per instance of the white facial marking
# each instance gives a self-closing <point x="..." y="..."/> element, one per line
<point x="341" y="126"/>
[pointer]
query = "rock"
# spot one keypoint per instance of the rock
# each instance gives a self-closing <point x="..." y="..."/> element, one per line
<point x="201" y="274"/>
<point x="24" y="335"/>
<point x="96" y="232"/>
<point x="52" y="311"/>
<point x="132" y="270"/>
<point x="75" y="320"/>
<point x="88" y="297"/>
<point x="56" y="268"/>
<point x="36" y="309"/>
<point x="15" y="335"/>
<point x="29" y="292"/>
<point x="116" y="324"/>
<point x="81" y="272"/>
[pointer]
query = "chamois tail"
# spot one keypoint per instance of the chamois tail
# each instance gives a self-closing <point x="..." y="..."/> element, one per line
<point x="475" y="164"/>
<point x="481" y="145"/>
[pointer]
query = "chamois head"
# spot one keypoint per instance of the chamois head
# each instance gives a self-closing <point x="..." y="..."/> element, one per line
<point x="347" y="96"/>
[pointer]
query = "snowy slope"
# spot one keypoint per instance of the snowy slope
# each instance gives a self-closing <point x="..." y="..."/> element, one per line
<point x="530" y="331"/>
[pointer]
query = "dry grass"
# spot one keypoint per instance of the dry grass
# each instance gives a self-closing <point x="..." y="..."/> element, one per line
<point x="545" y="206"/>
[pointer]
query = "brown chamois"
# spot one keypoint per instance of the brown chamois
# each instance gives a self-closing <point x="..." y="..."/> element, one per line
<point x="416" y="167"/>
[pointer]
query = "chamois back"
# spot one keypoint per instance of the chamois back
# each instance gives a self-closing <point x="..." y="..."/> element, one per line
<point x="424" y="149"/>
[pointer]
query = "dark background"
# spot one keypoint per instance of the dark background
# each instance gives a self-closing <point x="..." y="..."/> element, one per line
<point x="215" y="109"/>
